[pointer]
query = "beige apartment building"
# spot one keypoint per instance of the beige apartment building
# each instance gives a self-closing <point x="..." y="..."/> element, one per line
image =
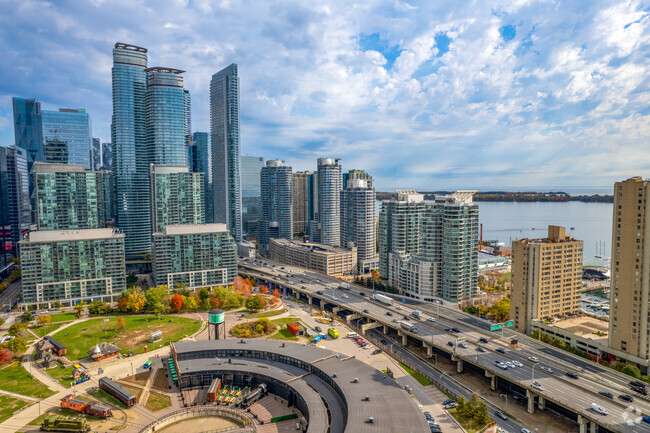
<point x="630" y="274"/>
<point x="546" y="278"/>
<point x="301" y="202"/>
<point x="332" y="261"/>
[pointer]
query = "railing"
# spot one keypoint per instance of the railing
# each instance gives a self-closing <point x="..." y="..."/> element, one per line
<point x="238" y="416"/>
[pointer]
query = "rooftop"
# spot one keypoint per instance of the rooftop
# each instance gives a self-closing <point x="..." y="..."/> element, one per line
<point x="310" y="246"/>
<point x="71" y="235"/>
<point x="585" y="327"/>
<point x="193" y="229"/>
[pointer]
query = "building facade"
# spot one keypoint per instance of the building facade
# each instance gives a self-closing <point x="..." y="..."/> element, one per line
<point x="358" y="225"/>
<point x="277" y="203"/>
<point x="330" y="184"/>
<point x="301" y="197"/>
<point x="546" y="278"/>
<point x="203" y="255"/>
<point x="130" y="151"/>
<point x="16" y="215"/>
<point x="176" y="197"/>
<point x="630" y="281"/>
<point x="251" y="198"/>
<point x="201" y="162"/>
<point x="333" y="261"/>
<point x="107" y="157"/>
<point x="96" y="155"/>
<point x="67" y="137"/>
<point x="28" y="134"/>
<point x="226" y="149"/>
<point x="72" y="265"/>
<point x="69" y="197"/>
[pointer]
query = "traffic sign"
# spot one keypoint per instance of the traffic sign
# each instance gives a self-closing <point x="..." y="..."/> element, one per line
<point x="495" y="327"/>
<point x="510" y="323"/>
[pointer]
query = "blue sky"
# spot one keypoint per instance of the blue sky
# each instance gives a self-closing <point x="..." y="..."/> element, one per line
<point x="428" y="95"/>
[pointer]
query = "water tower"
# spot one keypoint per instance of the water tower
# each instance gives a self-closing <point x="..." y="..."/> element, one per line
<point x="216" y="324"/>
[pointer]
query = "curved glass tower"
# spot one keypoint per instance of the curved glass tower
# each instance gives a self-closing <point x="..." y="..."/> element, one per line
<point x="330" y="183"/>
<point x="130" y="150"/>
<point x="277" y="203"/>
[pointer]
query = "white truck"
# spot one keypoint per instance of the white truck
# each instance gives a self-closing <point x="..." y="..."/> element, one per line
<point x="408" y="326"/>
<point x="344" y="286"/>
<point x="383" y="299"/>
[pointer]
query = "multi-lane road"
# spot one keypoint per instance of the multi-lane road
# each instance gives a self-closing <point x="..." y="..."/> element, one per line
<point x="576" y="395"/>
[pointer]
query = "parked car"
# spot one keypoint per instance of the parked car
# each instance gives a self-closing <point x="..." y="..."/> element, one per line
<point x="571" y="375"/>
<point x="376" y="351"/>
<point x="451" y="405"/>
<point x="501" y="415"/>
<point x="606" y="394"/>
<point x="318" y="329"/>
<point x="449" y="400"/>
<point x="501" y="350"/>
<point x="626" y="398"/>
<point x="538" y="386"/>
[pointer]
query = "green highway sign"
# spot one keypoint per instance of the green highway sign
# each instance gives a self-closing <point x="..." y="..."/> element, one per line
<point x="510" y="323"/>
<point x="495" y="327"/>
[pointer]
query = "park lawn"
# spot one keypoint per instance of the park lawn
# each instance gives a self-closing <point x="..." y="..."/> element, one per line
<point x="102" y="395"/>
<point x="61" y="374"/>
<point x="469" y="425"/>
<point x="284" y="320"/>
<point x="9" y="405"/>
<point x="14" y="378"/>
<point x="157" y="402"/>
<point x="83" y="336"/>
<point x="41" y="331"/>
<point x="63" y="317"/>
<point x="424" y="381"/>
<point x="283" y="334"/>
<point x="265" y="314"/>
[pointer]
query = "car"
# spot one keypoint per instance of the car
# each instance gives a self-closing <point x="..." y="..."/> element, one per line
<point x="448" y="330"/>
<point x="455" y="330"/>
<point x="524" y="430"/>
<point x="538" y="386"/>
<point x="406" y="318"/>
<point x="606" y="394"/>
<point x="501" y="415"/>
<point x="637" y="383"/>
<point x="481" y="349"/>
<point x="517" y="364"/>
<point x="398" y="307"/>
<point x="384" y="342"/>
<point x="510" y="364"/>
<point x="546" y="369"/>
<point x="366" y="311"/>
<point x="482" y="340"/>
<point x="533" y="358"/>
<point x="427" y="415"/>
<point x="451" y="405"/>
<point x="449" y="400"/>
<point x="345" y="296"/>
<point x="626" y="398"/>
<point x="318" y="292"/>
<point x="376" y="351"/>
<point x="431" y="319"/>
<point x="502" y="366"/>
<point x="501" y="350"/>
<point x="388" y="313"/>
<point x="463" y="345"/>
<point x="640" y="390"/>
<point x="451" y="344"/>
<point x="598" y="409"/>
<point x="571" y="374"/>
<point x="646" y="418"/>
<point x="318" y="329"/>
<point x="435" y="428"/>
<point x="362" y="294"/>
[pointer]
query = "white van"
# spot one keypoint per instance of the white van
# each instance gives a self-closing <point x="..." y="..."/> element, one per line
<point x="598" y="409"/>
<point x="352" y="335"/>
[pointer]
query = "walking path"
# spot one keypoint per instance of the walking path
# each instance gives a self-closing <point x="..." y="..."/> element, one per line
<point x="24" y="397"/>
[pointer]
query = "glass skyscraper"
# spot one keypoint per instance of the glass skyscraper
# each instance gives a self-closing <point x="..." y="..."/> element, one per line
<point x="28" y="134"/>
<point x="358" y="225"/>
<point x="69" y="197"/>
<point x="224" y="127"/>
<point x="15" y="214"/>
<point x="330" y="184"/>
<point x="96" y="155"/>
<point x="277" y="203"/>
<point x="251" y="166"/>
<point x="201" y="162"/>
<point x="130" y="151"/>
<point x="176" y="197"/>
<point x="67" y="137"/>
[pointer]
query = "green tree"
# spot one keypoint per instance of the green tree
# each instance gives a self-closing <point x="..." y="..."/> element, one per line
<point x="156" y="295"/>
<point x="58" y="304"/>
<point x="97" y="308"/>
<point x="18" y="329"/>
<point x="17" y="345"/>
<point x="43" y="319"/>
<point x="204" y="295"/>
<point x="158" y="309"/>
<point x="26" y="317"/>
<point x="2" y="321"/>
<point x="79" y="308"/>
<point x="619" y="366"/>
<point x="190" y="304"/>
<point x="255" y="303"/>
<point x="632" y="370"/>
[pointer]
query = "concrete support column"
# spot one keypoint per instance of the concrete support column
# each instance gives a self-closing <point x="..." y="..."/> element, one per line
<point x="493" y="380"/>
<point x="309" y="299"/>
<point x="459" y="366"/>
<point x="541" y="402"/>
<point x="404" y="339"/>
<point x="335" y="310"/>
<point x="583" y="424"/>
<point x="593" y="427"/>
<point x="385" y="329"/>
<point x="429" y="351"/>
<point x="531" y="401"/>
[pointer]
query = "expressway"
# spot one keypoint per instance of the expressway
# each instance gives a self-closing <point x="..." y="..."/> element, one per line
<point x="552" y="389"/>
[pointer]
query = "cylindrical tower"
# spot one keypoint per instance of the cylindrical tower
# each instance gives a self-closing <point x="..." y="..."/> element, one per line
<point x="216" y="322"/>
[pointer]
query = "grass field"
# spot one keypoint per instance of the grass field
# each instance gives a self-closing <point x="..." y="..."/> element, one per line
<point x="59" y="374"/>
<point x="9" y="405"/>
<point x="41" y="331"/>
<point x="424" y="381"/>
<point x="469" y="425"/>
<point x="265" y="314"/>
<point x="81" y="337"/>
<point x="283" y="334"/>
<point x="63" y="317"/>
<point x="14" y="378"/>
<point x="284" y="320"/>
<point x="157" y="402"/>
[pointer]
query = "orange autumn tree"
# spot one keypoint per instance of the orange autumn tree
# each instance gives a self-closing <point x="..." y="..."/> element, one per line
<point x="264" y="290"/>
<point x="176" y="303"/>
<point x="241" y="287"/>
<point x="276" y="293"/>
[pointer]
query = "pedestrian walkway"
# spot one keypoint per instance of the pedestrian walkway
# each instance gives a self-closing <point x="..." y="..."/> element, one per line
<point x="24" y="397"/>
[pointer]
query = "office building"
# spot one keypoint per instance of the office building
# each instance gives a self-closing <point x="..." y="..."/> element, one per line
<point x="130" y="152"/>
<point x="251" y="199"/>
<point x="203" y="255"/>
<point x="72" y="265"/>
<point x="166" y="111"/>
<point x="301" y="197"/>
<point x="329" y="200"/>
<point x="176" y="197"/>
<point x="96" y="155"/>
<point x="546" y="278"/>
<point x="630" y="286"/>
<point x="28" y="135"/>
<point x="333" y="261"/>
<point x="201" y="162"/>
<point x="67" y="137"/>
<point x="107" y="157"/>
<point x="16" y="215"/>
<point x="68" y="197"/>
<point x="428" y="249"/>
<point x="226" y="149"/>
<point x="277" y="203"/>
<point x="358" y="226"/>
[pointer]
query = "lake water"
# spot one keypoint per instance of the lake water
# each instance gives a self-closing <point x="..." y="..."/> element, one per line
<point x="509" y="221"/>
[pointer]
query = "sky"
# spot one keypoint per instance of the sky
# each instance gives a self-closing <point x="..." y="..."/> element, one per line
<point x="428" y="95"/>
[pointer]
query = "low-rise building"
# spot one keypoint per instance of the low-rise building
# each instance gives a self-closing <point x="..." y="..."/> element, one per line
<point x="103" y="351"/>
<point x="198" y="255"/>
<point x="296" y="329"/>
<point x="332" y="261"/>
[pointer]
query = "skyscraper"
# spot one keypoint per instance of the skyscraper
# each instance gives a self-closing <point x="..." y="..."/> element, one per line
<point x="96" y="155"/>
<point x="176" y="197"/>
<point x="330" y="184"/>
<point x="67" y="137"/>
<point x="201" y="162"/>
<point x="301" y="196"/>
<point x="28" y="132"/>
<point x="130" y="152"/>
<point x="68" y="197"/>
<point x="15" y="214"/>
<point x="166" y="122"/>
<point x="224" y="128"/>
<point x="630" y="285"/>
<point x="107" y="156"/>
<point x="546" y="278"/>
<point x="251" y="166"/>
<point x="358" y="227"/>
<point x="277" y="203"/>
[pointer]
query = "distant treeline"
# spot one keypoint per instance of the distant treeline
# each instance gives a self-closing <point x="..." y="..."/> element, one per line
<point x="510" y="196"/>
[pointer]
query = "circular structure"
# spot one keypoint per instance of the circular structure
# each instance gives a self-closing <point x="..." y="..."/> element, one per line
<point x="195" y="414"/>
<point x="216" y="321"/>
<point x="316" y="388"/>
<point x="216" y="316"/>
